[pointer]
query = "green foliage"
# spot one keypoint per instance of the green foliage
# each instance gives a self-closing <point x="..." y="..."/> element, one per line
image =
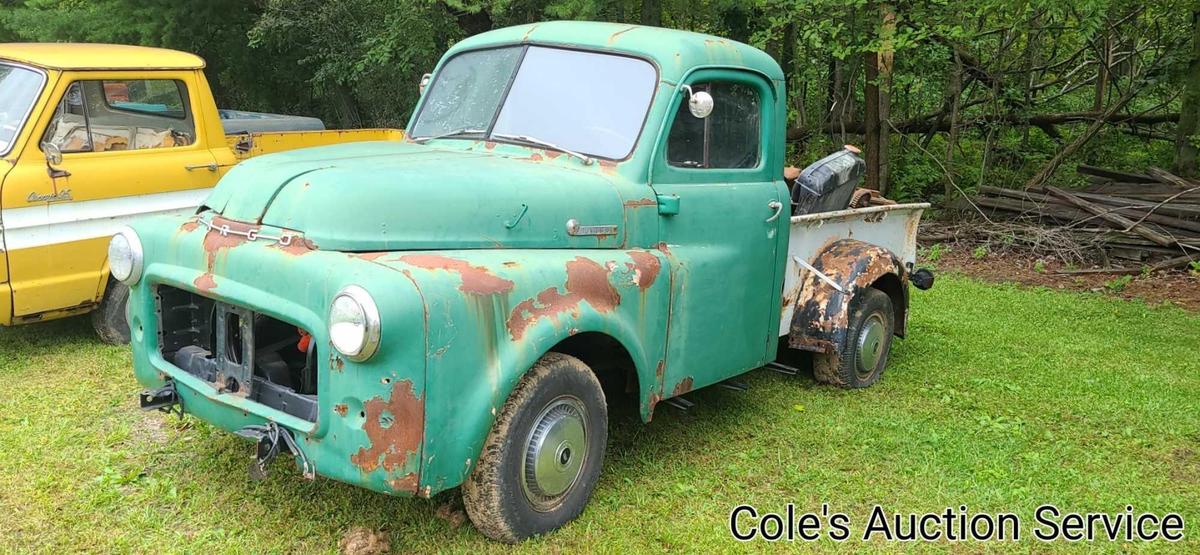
<point x="356" y="63"/>
<point x="1118" y="284"/>
<point x="980" y="252"/>
<point x="935" y="252"/>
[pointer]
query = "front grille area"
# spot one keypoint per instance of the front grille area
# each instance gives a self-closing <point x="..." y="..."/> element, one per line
<point x="239" y="351"/>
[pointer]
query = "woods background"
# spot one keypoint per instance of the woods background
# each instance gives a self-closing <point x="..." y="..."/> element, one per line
<point x="944" y="96"/>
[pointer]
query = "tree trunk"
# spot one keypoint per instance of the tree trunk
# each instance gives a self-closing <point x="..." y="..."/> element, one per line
<point x="871" y="118"/>
<point x="651" y="13"/>
<point x="956" y="85"/>
<point x="887" y="54"/>
<point x="1186" y="137"/>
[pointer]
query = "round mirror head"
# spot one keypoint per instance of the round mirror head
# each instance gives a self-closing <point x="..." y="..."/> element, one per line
<point x="53" y="153"/>
<point x="701" y="104"/>
<point x="424" y="83"/>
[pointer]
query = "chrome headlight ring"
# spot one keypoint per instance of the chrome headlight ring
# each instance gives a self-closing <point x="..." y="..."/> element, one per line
<point x="354" y="326"/>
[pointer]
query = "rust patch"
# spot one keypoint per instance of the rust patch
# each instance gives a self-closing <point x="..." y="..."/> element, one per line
<point x="394" y="427"/>
<point x="822" y="312"/>
<point x="407" y="482"/>
<point x="645" y="268"/>
<point x="371" y="256"/>
<point x="613" y="37"/>
<point x="536" y="157"/>
<point x="341" y="409"/>
<point x="682" y="387"/>
<point x="298" y="246"/>
<point x="663" y="248"/>
<point x="205" y="282"/>
<point x="658" y="370"/>
<point x="189" y="226"/>
<point x="476" y="280"/>
<point x="587" y="281"/>
<point x="641" y="202"/>
<point x="214" y="242"/>
<point x="552" y="154"/>
<point x="490" y="145"/>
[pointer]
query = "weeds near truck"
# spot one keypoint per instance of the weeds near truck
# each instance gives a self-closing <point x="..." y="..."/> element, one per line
<point x="1005" y="398"/>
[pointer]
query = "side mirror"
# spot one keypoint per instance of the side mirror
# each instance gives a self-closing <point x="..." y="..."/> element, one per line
<point x="700" y="103"/>
<point x="424" y="83"/>
<point x="54" y="158"/>
<point x="53" y="154"/>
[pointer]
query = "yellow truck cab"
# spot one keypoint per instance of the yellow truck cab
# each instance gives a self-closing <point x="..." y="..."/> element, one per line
<point x="94" y="135"/>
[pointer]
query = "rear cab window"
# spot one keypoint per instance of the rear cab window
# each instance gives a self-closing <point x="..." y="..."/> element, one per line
<point x="122" y="115"/>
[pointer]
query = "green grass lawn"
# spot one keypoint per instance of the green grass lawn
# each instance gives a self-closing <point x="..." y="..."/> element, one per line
<point x="1001" y="399"/>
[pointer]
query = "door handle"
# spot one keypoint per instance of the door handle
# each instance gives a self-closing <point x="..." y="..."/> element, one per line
<point x="210" y="167"/>
<point x="777" y="207"/>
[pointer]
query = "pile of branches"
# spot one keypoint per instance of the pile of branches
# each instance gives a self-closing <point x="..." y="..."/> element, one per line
<point x="1127" y="222"/>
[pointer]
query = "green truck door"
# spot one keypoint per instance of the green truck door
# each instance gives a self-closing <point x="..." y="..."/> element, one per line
<point x="724" y="240"/>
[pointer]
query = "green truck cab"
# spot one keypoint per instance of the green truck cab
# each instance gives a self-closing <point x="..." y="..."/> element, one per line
<point x="579" y="212"/>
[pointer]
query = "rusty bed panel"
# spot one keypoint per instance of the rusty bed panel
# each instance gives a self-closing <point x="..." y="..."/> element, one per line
<point x="893" y="228"/>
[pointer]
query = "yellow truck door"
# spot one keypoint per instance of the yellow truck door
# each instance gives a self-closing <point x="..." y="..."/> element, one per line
<point x="133" y="143"/>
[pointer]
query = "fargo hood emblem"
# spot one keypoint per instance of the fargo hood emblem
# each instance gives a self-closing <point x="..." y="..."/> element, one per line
<point x="60" y="196"/>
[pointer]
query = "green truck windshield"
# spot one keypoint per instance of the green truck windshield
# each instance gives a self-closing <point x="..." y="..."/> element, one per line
<point x="19" y="87"/>
<point x="587" y="102"/>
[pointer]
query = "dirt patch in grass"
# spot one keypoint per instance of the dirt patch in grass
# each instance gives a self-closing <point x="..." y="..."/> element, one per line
<point x="364" y="541"/>
<point x="1177" y="287"/>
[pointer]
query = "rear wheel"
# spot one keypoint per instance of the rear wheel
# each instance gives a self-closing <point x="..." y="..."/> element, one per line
<point x="861" y="359"/>
<point x="109" y="319"/>
<point x="543" y="456"/>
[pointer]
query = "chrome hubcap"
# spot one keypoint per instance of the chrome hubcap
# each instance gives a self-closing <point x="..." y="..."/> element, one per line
<point x="554" y="452"/>
<point x="871" y="340"/>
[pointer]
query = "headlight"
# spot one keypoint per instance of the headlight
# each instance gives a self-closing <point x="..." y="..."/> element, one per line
<point x="125" y="256"/>
<point x="354" y="323"/>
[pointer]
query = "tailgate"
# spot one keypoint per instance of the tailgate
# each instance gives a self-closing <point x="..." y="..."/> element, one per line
<point x="249" y="145"/>
<point x="892" y="227"/>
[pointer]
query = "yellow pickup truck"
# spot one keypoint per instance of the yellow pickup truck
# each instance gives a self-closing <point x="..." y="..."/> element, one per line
<point x="92" y="136"/>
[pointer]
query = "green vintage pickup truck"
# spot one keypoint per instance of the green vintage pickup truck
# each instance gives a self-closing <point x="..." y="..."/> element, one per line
<point x="580" y="213"/>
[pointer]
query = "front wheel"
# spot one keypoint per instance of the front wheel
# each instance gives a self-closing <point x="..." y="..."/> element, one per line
<point x="861" y="359"/>
<point x="543" y="456"/>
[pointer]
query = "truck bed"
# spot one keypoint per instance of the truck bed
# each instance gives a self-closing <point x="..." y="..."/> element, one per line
<point x="892" y="227"/>
<point x="249" y="145"/>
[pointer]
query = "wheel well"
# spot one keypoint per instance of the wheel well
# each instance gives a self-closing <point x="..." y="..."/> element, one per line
<point x="890" y="284"/>
<point x="609" y="360"/>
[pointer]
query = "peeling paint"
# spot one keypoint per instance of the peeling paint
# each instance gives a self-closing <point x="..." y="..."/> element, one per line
<point x="641" y="202"/>
<point x="205" y="282"/>
<point x="587" y="281"/>
<point x="395" y="429"/>
<point x="822" y="312"/>
<point x="476" y="280"/>
<point x="645" y="267"/>
<point x="682" y="387"/>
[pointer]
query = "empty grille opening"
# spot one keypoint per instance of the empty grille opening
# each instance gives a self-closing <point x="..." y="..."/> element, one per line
<point x="239" y="351"/>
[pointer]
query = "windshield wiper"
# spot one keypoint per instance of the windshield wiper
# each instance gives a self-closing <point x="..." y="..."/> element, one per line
<point x="466" y="131"/>
<point x="587" y="160"/>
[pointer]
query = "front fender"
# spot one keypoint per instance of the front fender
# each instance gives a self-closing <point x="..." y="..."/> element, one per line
<point x="492" y="313"/>
<point x="823" y="312"/>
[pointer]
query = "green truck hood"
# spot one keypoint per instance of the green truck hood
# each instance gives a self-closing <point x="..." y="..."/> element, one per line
<point x="400" y="196"/>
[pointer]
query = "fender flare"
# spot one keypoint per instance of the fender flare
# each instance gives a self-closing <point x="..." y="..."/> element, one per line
<point x="822" y="313"/>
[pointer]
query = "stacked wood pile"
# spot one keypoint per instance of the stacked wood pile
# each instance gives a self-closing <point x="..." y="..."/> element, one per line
<point x="1132" y="221"/>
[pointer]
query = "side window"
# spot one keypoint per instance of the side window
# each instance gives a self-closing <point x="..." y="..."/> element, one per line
<point x="727" y="139"/>
<point x="106" y="116"/>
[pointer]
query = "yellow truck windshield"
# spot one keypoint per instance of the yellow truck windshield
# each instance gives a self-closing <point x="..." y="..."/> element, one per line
<point x="19" y="88"/>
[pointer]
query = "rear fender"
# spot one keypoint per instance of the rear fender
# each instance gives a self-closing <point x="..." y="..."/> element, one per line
<point x="823" y="312"/>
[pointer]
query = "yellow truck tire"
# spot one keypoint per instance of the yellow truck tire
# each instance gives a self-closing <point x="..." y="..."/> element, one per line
<point x="109" y="319"/>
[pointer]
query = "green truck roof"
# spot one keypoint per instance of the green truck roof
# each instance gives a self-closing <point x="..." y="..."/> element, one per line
<point x="675" y="52"/>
